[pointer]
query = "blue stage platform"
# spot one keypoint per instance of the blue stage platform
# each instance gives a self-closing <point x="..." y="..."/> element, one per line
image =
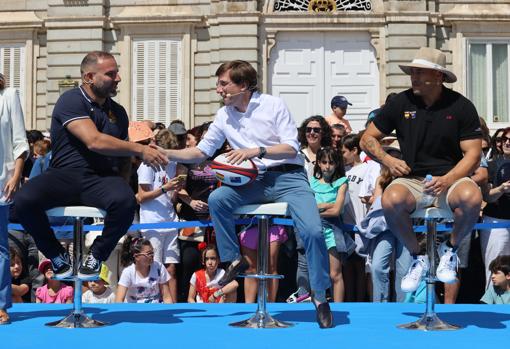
<point x="357" y="325"/>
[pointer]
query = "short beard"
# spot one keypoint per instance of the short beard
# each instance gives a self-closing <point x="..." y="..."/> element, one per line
<point x="101" y="92"/>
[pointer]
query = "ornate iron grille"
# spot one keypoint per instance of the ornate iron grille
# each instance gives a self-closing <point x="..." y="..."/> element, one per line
<point x="322" y="5"/>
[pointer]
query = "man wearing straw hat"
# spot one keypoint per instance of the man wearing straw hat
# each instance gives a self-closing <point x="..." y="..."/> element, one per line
<point x="439" y="133"/>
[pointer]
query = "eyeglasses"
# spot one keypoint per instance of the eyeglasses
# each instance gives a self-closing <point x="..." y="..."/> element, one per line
<point x="504" y="139"/>
<point x="314" y="129"/>
<point x="223" y="83"/>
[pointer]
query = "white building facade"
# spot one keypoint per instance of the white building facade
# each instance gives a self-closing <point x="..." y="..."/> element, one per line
<point x="305" y="51"/>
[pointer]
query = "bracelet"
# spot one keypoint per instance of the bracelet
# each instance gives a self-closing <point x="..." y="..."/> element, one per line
<point x="218" y="293"/>
<point x="163" y="190"/>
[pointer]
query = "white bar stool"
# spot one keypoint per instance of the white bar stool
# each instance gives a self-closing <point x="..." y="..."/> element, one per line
<point x="429" y="320"/>
<point x="77" y="318"/>
<point x="264" y="214"/>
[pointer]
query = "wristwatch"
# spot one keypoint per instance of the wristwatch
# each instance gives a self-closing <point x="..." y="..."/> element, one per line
<point x="163" y="190"/>
<point x="262" y="152"/>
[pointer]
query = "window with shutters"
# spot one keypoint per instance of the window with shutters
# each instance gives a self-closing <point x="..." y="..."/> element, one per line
<point x="12" y="65"/>
<point x="156" y="80"/>
<point x="488" y="75"/>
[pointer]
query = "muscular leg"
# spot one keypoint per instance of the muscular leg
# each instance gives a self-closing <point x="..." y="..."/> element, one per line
<point x="398" y="203"/>
<point x="465" y="200"/>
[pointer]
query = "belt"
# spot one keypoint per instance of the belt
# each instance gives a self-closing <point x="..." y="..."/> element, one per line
<point x="285" y="168"/>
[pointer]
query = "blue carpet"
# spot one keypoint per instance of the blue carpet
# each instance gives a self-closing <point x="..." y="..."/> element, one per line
<point x="357" y="325"/>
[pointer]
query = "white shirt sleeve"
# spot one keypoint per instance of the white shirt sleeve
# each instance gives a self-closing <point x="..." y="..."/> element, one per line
<point x="286" y="126"/>
<point x="19" y="138"/>
<point x="146" y="175"/>
<point x="165" y="276"/>
<point x="214" y="137"/>
<point x="126" y="276"/>
<point x="193" y="280"/>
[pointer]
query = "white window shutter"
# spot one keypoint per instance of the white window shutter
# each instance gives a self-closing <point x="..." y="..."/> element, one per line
<point x="156" y="80"/>
<point x="12" y="65"/>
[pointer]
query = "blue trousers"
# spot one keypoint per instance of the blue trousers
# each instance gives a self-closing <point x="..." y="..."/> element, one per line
<point x="382" y="248"/>
<point x="5" y="266"/>
<point x="291" y="187"/>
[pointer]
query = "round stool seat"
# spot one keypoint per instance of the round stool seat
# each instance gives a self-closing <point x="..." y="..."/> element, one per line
<point x="432" y="213"/>
<point x="272" y="209"/>
<point x="76" y="211"/>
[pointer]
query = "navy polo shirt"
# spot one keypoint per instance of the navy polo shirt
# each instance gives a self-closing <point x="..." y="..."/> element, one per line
<point x="430" y="137"/>
<point x="68" y="151"/>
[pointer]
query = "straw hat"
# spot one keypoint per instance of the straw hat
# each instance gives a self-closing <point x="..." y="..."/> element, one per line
<point x="429" y="58"/>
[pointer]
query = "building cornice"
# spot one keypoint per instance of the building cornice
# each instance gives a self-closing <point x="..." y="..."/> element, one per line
<point x="157" y="14"/>
<point x="20" y="19"/>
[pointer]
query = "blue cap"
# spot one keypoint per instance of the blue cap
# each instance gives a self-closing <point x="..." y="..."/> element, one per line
<point x="339" y="101"/>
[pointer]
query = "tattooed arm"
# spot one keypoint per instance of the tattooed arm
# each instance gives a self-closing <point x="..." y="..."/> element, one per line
<point x="370" y="144"/>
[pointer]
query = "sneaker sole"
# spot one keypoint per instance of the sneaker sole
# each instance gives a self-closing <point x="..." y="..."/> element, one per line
<point x="88" y="277"/>
<point x="65" y="275"/>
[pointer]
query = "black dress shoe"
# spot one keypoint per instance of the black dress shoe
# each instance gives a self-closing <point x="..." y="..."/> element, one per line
<point x="324" y="315"/>
<point x="237" y="267"/>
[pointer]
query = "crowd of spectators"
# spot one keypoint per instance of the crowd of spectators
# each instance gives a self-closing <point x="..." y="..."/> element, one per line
<point x="182" y="265"/>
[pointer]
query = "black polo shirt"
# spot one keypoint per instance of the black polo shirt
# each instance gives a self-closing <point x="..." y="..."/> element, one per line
<point x="430" y="137"/>
<point x="68" y="151"/>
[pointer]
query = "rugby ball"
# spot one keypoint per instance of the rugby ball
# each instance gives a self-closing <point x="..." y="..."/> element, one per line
<point x="233" y="175"/>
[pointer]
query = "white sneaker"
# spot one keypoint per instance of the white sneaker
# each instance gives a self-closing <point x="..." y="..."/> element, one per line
<point x="448" y="263"/>
<point x="415" y="274"/>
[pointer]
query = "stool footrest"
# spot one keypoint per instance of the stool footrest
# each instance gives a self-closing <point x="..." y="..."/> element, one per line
<point x="75" y="278"/>
<point x="261" y="276"/>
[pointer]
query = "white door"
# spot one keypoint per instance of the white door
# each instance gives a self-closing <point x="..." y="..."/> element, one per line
<point x="308" y="69"/>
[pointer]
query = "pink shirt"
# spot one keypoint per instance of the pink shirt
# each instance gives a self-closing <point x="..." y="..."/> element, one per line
<point x="63" y="295"/>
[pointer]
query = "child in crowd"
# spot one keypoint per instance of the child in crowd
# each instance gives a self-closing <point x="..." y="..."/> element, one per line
<point x="249" y="244"/>
<point x="499" y="291"/>
<point x="144" y="280"/>
<point x="204" y="286"/>
<point x="330" y="186"/>
<point x="20" y="287"/>
<point x="99" y="292"/>
<point x="41" y="148"/>
<point x="53" y="291"/>
<point x="356" y="285"/>
<point x="156" y="190"/>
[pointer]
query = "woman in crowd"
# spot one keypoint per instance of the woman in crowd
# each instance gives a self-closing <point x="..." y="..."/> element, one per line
<point x="496" y="241"/>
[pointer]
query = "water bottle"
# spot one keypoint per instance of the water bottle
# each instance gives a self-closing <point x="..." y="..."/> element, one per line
<point x="426" y="199"/>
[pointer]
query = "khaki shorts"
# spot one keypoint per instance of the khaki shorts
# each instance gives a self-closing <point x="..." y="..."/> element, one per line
<point x="415" y="186"/>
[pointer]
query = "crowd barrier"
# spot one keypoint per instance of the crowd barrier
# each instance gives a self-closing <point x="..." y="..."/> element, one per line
<point x="279" y="221"/>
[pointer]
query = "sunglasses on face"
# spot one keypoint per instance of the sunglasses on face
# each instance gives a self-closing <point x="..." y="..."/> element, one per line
<point x="504" y="139"/>
<point x="314" y="129"/>
<point x="147" y="254"/>
<point x="498" y="139"/>
<point x="326" y="162"/>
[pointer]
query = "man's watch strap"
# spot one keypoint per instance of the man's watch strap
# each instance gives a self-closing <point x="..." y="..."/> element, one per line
<point x="262" y="152"/>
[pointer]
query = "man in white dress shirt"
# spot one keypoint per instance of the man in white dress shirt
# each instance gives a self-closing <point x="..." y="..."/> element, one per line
<point x="260" y="127"/>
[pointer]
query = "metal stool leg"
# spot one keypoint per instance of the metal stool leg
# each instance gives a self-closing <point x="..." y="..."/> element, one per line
<point x="429" y="320"/>
<point x="77" y="318"/>
<point x="262" y="319"/>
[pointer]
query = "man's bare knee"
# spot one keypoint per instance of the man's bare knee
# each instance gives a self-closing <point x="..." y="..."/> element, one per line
<point x="397" y="198"/>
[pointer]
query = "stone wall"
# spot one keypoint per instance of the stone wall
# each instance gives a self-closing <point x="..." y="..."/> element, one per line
<point x="58" y="33"/>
